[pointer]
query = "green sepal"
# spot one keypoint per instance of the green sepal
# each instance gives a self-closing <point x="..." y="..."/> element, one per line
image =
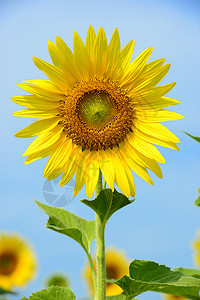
<point x="150" y="276"/>
<point x="107" y="203"/>
<point x="196" y="138"/>
<point x="52" y="293"/>
<point x="65" y="222"/>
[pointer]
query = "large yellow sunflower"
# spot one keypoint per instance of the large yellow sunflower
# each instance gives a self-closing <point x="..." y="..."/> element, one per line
<point x="99" y="110"/>
<point x="117" y="265"/>
<point x="17" y="261"/>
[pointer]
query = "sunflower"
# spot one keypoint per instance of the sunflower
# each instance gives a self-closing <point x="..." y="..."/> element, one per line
<point x="196" y="248"/>
<point x="117" y="265"/>
<point x="98" y="110"/>
<point x="17" y="261"/>
<point x="172" y="297"/>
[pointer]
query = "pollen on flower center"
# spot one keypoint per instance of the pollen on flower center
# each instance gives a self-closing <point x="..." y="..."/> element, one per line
<point x="96" y="114"/>
<point x="8" y="263"/>
<point x="96" y="108"/>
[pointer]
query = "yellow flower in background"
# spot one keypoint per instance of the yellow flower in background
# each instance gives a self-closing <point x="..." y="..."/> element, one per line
<point x="196" y="248"/>
<point x="17" y="261"/>
<point x="117" y="265"/>
<point x="172" y="297"/>
<point x="98" y="110"/>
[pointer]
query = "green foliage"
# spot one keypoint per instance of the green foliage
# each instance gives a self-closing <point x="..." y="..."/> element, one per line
<point x="107" y="203"/>
<point x="53" y="293"/>
<point x="57" y="279"/>
<point x="196" y="138"/>
<point x="150" y="276"/>
<point x="63" y="221"/>
<point x="118" y="297"/>
<point x="190" y="272"/>
<point x="197" y="201"/>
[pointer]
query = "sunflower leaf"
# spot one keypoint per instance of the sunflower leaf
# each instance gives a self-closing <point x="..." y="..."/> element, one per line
<point x="196" y="138"/>
<point x="65" y="222"/>
<point x="150" y="276"/>
<point x="52" y="293"/>
<point x="190" y="272"/>
<point x="107" y="203"/>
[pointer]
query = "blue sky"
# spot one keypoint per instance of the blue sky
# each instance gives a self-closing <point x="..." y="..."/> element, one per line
<point x="162" y="222"/>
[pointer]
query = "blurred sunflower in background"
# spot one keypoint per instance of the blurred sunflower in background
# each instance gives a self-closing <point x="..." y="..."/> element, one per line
<point x="196" y="248"/>
<point x="117" y="265"/>
<point x="17" y="261"/>
<point x="99" y="110"/>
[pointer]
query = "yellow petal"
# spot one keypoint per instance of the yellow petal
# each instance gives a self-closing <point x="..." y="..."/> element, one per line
<point x="123" y="175"/>
<point x="80" y="172"/>
<point x="130" y="179"/>
<point x="107" y="168"/>
<point x="150" y="80"/>
<point x="157" y="115"/>
<point x="37" y="127"/>
<point x="59" y="156"/>
<point x="113" y="52"/>
<point x="35" y="102"/>
<point x="145" y="161"/>
<point x="90" y="39"/>
<point x="152" y="92"/>
<point x="70" y="165"/>
<point x="54" y="53"/>
<point x="55" y="173"/>
<point x="56" y="75"/>
<point x="34" y="113"/>
<point x="145" y="148"/>
<point x="138" y="169"/>
<point x="37" y="155"/>
<point x="68" y="60"/>
<point x="44" y="140"/>
<point x="156" y="141"/>
<point x="153" y="65"/>
<point x="41" y="91"/>
<point x="123" y="61"/>
<point x="45" y="85"/>
<point x="91" y="173"/>
<point x="157" y="130"/>
<point x="100" y="53"/>
<point x="153" y="103"/>
<point x="150" y="70"/>
<point x="136" y="67"/>
<point x="57" y="60"/>
<point x="81" y="55"/>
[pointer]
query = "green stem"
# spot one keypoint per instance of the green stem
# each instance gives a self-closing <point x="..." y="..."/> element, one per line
<point x="100" y="253"/>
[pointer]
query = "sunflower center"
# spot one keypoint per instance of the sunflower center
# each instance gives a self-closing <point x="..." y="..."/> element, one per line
<point x="95" y="108"/>
<point x="96" y="114"/>
<point x="8" y="263"/>
<point x="111" y="273"/>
